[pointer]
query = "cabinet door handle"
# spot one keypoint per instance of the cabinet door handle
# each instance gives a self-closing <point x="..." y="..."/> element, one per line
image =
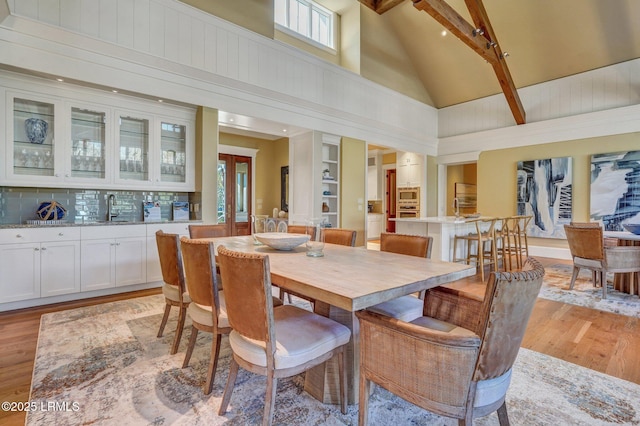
<point x="43" y="248"/>
<point x="36" y="249"/>
<point x="18" y="235"/>
<point x="117" y="244"/>
<point x="60" y="234"/>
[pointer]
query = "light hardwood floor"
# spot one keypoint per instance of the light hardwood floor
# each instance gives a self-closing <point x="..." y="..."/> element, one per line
<point x="597" y="340"/>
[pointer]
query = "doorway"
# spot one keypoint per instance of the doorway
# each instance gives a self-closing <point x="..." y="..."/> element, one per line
<point x="234" y="193"/>
<point x="390" y="200"/>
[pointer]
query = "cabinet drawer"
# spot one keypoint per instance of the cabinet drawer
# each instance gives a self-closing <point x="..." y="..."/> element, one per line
<point x="36" y="235"/>
<point x="113" y="231"/>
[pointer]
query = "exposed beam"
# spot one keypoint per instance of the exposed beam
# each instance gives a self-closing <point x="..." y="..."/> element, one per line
<point x="483" y="43"/>
<point x="481" y="20"/>
<point x="381" y="6"/>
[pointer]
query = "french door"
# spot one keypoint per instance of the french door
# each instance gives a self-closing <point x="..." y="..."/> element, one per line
<point x="234" y="193"/>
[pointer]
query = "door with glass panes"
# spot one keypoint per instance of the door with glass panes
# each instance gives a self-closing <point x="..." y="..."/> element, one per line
<point x="234" y="193"/>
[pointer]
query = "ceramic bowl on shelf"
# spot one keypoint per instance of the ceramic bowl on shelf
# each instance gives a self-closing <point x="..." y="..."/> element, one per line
<point x="36" y="130"/>
<point x="281" y="240"/>
<point x="634" y="228"/>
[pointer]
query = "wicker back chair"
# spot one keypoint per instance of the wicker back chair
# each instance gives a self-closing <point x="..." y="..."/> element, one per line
<point x="456" y="360"/>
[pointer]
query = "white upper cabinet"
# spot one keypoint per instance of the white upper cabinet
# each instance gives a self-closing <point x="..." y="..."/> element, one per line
<point x="409" y="170"/>
<point x="53" y="141"/>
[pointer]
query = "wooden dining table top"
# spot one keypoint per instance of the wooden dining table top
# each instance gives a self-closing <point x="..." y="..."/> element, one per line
<point x="351" y="278"/>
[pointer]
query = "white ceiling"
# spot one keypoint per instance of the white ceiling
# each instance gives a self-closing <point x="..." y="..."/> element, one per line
<point x="255" y="127"/>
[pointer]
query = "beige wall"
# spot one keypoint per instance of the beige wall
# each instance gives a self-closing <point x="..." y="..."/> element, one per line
<point x="271" y="156"/>
<point x="389" y="158"/>
<point x="497" y="174"/>
<point x="328" y="56"/>
<point x="462" y="173"/>
<point x="384" y="60"/>
<point x="432" y="187"/>
<point x="254" y="15"/>
<point x="207" y="162"/>
<point x="353" y="168"/>
<point x="350" y="38"/>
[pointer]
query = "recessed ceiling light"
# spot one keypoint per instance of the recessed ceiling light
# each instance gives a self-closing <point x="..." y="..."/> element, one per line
<point x="443" y="33"/>
<point x="231" y="120"/>
<point x="284" y="130"/>
<point x="160" y="100"/>
<point x="114" y="91"/>
<point x="59" y="79"/>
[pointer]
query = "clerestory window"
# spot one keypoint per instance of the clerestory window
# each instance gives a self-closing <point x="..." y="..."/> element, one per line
<point x="306" y="18"/>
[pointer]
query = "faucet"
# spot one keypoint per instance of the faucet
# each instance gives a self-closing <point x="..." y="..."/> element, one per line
<point x="111" y="201"/>
<point x="456" y="205"/>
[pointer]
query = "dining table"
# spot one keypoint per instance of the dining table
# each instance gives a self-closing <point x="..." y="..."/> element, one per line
<point x="622" y="282"/>
<point x="345" y="280"/>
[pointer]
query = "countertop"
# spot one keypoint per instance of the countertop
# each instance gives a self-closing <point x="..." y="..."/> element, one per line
<point x="105" y="223"/>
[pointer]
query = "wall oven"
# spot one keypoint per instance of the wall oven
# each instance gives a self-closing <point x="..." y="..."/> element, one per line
<point x="408" y="202"/>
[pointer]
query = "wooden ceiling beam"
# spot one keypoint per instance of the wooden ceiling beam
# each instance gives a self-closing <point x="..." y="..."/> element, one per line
<point x="381" y="6"/>
<point x="483" y="43"/>
<point x="481" y="21"/>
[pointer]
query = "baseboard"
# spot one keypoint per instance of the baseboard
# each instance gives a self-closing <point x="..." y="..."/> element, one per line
<point x="552" y="252"/>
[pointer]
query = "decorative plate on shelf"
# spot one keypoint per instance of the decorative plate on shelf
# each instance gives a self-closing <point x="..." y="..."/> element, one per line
<point x="281" y="240"/>
<point x="36" y="130"/>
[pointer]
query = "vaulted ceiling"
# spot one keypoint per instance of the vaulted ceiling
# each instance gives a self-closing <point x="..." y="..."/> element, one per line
<point x="544" y="39"/>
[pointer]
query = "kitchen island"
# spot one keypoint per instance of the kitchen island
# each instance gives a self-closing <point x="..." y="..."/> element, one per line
<point x="441" y="228"/>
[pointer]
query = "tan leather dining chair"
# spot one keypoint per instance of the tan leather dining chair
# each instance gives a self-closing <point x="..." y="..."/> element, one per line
<point x="405" y="308"/>
<point x="207" y="231"/>
<point x="301" y="229"/>
<point x="173" y="288"/>
<point x="273" y="342"/>
<point x="457" y="359"/>
<point x="208" y="307"/>
<point x="344" y="237"/>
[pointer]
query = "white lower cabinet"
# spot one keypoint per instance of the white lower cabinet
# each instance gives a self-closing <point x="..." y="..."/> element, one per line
<point x="374" y="228"/>
<point x="116" y="261"/>
<point x="37" y="263"/>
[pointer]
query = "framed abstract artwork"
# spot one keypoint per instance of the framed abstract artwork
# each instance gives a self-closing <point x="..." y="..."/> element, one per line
<point x="545" y="192"/>
<point x="615" y="189"/>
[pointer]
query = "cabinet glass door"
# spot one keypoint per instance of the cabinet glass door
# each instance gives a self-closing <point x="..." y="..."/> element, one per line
<point x="134" y="148"/>
<point x="33" y="142"/>
<point x="173" y="144"/>
<point x="87" y="144"/>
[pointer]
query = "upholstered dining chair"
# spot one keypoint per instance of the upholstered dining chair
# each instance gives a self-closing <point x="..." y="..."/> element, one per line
<point x="173" y="288"/>
<point x="456" y="360"/>
<point x="406" y="308"/>
<point x="301" y="229"/>
<point x="208" y="307"/>
<point x="207" y="231"/>
<point x="207" y="310"/>
<point x="344" y="237"/>
<point x="273" y="342"/>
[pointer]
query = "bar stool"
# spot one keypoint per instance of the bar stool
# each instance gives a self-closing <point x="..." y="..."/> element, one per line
<point x="522" y="245"/>
<point x="507" y="236"/>
<point x="483" y="236"/>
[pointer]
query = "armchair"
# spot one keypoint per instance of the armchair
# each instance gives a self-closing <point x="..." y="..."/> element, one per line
<point x="456" y="360"/>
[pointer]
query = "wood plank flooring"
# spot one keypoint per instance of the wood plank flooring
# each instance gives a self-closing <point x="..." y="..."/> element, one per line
<point x="601" y="341"/>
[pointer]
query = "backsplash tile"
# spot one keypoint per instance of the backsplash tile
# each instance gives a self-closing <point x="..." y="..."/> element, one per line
<point x="17" y="204"/>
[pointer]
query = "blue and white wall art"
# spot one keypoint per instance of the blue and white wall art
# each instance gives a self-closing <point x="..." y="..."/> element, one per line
<point x="545" y="192"/>
<point x="615" y="189"/>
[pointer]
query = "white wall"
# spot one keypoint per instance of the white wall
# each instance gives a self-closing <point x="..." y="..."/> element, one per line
<point x="164" y="48"/>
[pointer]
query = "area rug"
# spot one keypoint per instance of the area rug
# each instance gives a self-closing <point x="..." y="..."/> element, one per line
<point x="556" y="287"/>
<point x="103" y="365"/>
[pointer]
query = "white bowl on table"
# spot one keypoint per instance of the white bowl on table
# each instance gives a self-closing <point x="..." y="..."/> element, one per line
<point x="281" y="240"/>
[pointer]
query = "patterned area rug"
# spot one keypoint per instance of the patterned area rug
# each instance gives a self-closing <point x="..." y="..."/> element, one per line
<point x="556" y="287"/>
<point x="105" y="366"/>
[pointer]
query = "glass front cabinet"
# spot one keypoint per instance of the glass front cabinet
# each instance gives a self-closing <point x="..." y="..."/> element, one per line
<point x="53" y="143"/>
